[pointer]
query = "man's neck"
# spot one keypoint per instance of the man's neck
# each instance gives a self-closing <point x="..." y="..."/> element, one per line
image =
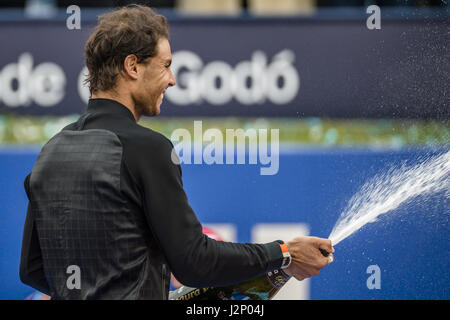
<point x="123" y="99"/>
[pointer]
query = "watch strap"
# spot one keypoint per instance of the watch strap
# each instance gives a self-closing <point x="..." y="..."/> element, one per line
<point x="286" y="255"/>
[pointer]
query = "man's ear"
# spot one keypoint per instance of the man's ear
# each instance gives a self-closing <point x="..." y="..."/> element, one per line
<point x="130" y="66"/>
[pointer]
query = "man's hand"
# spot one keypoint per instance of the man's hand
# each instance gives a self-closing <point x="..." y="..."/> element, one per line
<point x="307" y="260"/>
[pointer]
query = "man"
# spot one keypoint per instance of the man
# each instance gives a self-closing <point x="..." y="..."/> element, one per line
<point x="108" y="217"/>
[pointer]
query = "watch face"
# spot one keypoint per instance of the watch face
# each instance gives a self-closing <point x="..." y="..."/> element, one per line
<point x="286" y="260"/>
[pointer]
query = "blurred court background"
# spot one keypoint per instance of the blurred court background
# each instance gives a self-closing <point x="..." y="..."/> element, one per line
<point x="350" y="100"/>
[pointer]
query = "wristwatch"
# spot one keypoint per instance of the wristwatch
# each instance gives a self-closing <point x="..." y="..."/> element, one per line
<point x="286" y="255"/>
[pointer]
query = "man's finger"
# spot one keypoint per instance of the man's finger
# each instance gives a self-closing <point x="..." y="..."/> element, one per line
<point x="330" y="258"/>
<point x="326" y="245"/>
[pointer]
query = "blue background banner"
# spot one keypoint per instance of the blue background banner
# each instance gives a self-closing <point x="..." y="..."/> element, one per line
<point x="409" y="245"/>
<point x="298" y="67"/>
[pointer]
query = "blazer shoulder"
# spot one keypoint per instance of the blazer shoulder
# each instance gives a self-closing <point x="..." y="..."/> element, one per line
<point x="147" y="136"/>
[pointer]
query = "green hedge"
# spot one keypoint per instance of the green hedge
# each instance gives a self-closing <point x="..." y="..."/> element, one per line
<point x="325" y="132"/>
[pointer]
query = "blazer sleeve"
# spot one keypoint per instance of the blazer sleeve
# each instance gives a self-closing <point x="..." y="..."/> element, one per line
<point x="31" y="265"/>
<point x="195" y="259"/>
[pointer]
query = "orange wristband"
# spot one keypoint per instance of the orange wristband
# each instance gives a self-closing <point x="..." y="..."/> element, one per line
<point x="284" y="248"/>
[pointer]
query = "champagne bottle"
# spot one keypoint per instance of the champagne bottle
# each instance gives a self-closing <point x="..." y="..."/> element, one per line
<point x="261" y="288"/>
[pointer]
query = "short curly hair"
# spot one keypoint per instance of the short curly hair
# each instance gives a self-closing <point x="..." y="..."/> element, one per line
<point x="133" y="29"/>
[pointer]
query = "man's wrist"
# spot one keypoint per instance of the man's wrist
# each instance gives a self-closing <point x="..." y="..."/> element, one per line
<point x="286" y="262"/>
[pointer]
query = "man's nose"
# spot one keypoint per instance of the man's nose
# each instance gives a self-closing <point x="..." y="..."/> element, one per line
<point x="172" y="80"/>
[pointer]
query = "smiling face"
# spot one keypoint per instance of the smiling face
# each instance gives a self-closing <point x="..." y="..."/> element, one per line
<point x="154" y="78"/>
